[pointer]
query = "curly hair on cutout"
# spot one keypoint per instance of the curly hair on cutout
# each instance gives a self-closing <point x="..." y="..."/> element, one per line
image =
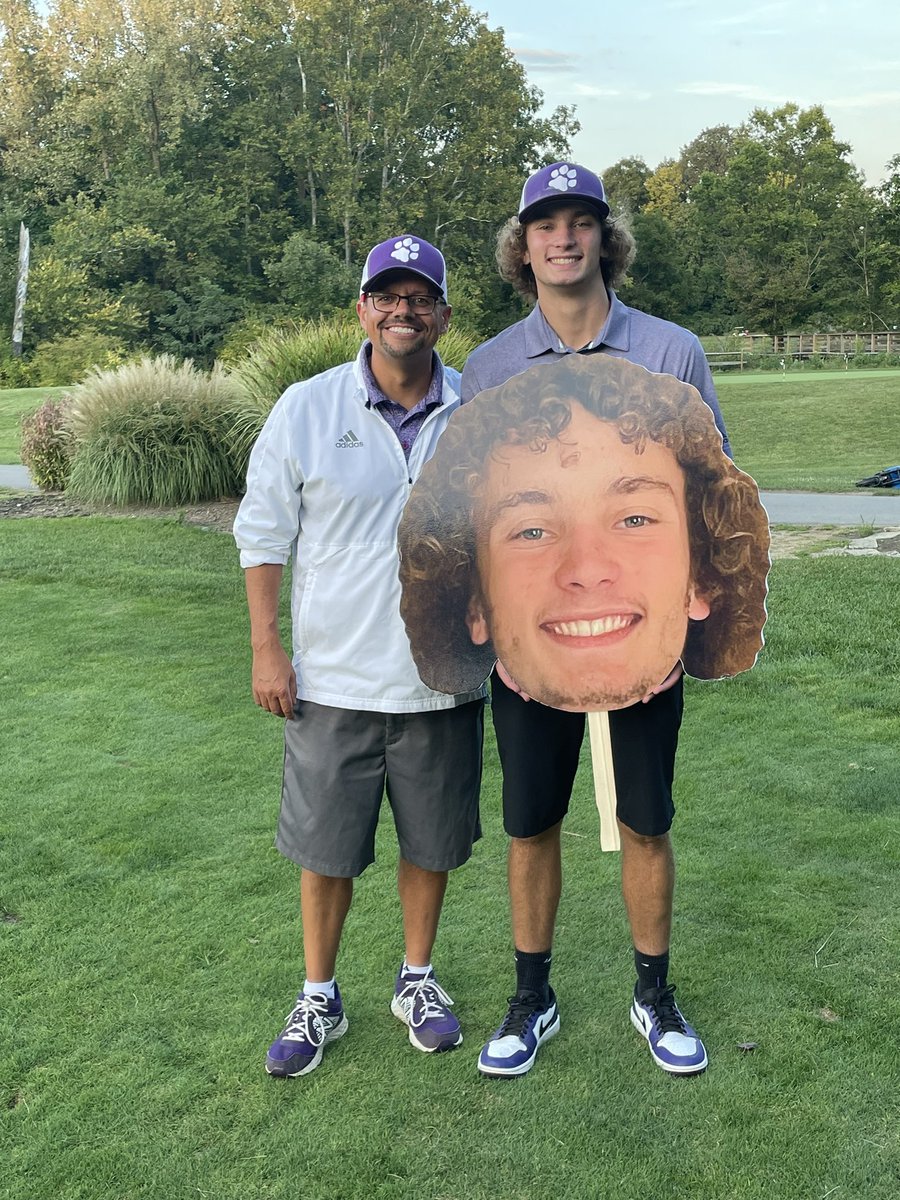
<point x="728" y="527"/>
<point x="616" y="254"/>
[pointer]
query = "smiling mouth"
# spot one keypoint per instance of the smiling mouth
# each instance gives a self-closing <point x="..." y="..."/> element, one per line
<point x="595" y="628"/>
<point x="566" y="261"/>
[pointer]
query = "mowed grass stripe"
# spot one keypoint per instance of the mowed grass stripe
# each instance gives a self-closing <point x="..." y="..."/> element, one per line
<point x="813" y="432"/>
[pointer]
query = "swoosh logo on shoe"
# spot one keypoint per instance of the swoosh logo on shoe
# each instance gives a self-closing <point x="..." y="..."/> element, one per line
<point x="545" y="1023"/>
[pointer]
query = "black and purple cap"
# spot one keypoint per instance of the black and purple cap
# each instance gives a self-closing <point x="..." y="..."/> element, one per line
<point x="562" y="182"/>
<point x="406" y="253"/>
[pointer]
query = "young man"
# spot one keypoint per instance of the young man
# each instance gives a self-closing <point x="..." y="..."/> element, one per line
<point x="581" y="524"/>
<point x="326" y="486"/>
<point x="565" y="251"/>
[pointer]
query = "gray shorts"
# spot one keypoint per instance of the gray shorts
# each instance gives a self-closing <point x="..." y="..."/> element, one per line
<point x="338" y="765"/>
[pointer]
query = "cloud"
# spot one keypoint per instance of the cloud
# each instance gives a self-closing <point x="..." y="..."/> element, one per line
<point x="865" y="100"/>
<point x="545" y="60"/>
<point x="743" y="91"/>
<point x="606" y="93"/>
<point x="749" y="16"/>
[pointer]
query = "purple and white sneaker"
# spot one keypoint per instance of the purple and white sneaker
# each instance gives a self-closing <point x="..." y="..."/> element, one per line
<point x="422" y="1004"/>
<point x="512" y="1049"/>
<point x="312" y="1023"/>
<point x="673" y="1043"/>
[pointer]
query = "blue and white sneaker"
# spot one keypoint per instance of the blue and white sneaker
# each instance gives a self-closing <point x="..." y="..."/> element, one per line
<point x="312" y="1023"/>
<point x="512" y="1049"/>
<point x="673" y="1043"/>
<point x="422" y="1004"/>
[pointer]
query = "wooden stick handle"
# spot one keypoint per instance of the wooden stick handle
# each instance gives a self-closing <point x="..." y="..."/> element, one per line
<point x="604" y="779"/>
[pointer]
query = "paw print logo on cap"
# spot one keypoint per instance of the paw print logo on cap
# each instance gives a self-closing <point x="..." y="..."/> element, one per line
<point x="405" y="250"/>
<point x="563" y="177"/>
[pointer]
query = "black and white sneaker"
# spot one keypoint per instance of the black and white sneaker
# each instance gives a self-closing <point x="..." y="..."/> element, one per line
<point x="512" y="1049"/>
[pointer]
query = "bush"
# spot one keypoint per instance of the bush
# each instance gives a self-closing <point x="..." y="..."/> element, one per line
<point x="307" y="348"/>
<point x="13" y="370"/>
<point x="66" y="360"/>
<point x="155" y="432"/>
<point x="242" y="337"/>
<point x="47" y="444"/>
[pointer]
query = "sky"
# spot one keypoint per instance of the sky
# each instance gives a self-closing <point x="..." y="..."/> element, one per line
<point x="647" y="76"/>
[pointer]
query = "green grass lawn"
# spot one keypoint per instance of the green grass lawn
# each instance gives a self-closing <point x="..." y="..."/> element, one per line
<point x="149" y="935"/>
<point x="813" y="432"/>
<point x="14" y="403"/>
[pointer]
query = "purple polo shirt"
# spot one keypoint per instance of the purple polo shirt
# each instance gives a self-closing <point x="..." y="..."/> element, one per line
<point x="405" y="423"/>
<point x="658" y="345"/>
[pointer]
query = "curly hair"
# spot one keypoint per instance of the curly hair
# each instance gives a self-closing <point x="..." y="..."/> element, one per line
<point x="616" y="255"/>
<point x="728" y="528"/>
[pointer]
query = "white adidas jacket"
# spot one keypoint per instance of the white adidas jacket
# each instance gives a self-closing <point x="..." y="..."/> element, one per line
<point x="326" y="485"/>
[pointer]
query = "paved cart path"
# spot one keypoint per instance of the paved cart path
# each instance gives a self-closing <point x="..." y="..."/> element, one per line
<point x="867" y="506"/>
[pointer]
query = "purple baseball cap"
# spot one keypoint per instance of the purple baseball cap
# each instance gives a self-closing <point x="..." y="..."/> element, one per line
<point x="405" y="253"/>
<point x="558" y="183"/>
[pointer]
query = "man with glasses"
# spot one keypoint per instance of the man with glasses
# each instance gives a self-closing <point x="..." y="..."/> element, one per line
<point x="327" y="482"/>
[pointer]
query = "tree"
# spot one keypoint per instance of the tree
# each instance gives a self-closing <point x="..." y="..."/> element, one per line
<point x="777" y="222"/>
<point x="168" y="149"/>
<point x="310" y="279"/>
<point x="625" y="183"/>
<point x="710" y="152"/>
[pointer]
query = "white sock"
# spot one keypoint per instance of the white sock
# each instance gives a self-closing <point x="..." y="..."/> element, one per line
<point x="419" y="972"/>
<point x="327" y="988"/>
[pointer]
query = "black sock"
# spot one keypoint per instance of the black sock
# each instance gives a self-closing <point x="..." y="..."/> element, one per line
<point x="652" y="970"/>
<point x="533" y="973"/>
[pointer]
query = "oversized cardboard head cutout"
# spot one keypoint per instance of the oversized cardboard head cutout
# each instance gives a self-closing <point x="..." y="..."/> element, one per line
<point x="582" y="524"/>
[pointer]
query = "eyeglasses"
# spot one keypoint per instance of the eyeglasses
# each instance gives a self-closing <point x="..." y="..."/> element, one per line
<point x="388" y="301"/>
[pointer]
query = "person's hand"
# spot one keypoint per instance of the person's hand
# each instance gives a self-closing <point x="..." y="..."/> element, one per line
<point x="670" y="680"/>
<point x="510" y="682"/>
<point x="274" y="681"/>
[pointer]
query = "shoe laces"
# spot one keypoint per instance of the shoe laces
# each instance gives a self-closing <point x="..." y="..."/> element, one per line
<point x="522" y="1008"/>
<point x="666" y="1015"/>
<point x="428" y="999"/>
<point x="304" y="1022"/>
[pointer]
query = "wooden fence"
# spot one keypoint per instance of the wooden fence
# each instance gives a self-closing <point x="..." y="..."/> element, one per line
<point x="799" y="346"/>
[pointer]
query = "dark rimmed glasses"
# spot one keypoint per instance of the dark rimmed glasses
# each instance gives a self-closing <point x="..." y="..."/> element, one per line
<point x="386" y="302"/>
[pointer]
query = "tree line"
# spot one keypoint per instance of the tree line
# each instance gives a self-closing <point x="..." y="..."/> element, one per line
<point x="192" y="170"/>
<point x="766" y="226"/>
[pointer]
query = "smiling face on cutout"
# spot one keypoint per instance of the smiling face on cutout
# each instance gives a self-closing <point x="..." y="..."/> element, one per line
<point x="584" y="566"/>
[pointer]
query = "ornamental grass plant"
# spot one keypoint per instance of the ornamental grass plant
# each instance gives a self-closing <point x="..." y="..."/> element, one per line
<point x="286" y="356"/>
<point x="155" y="432"/>
<point x="47" y="444"/>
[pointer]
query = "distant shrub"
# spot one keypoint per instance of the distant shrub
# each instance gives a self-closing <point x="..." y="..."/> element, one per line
<point x="155" y="432"/>
<point x="66" y="360"/>
<point x="878" y="359"/>
<point x="46" y="445"/>
<point x="242" y="337"/>
<point x="307" y="348"/>
<point x="13" y="371"/>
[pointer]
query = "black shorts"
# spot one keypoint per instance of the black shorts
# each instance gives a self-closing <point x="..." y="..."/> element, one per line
<point x="540" y="747"/>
